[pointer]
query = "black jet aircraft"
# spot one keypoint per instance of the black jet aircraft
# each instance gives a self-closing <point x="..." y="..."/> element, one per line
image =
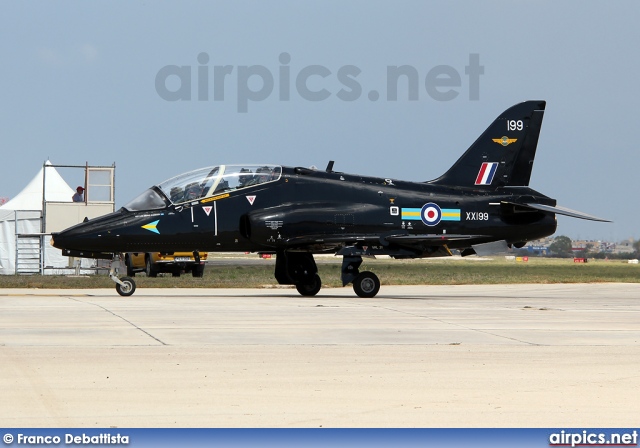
<point x="481" y="205"/>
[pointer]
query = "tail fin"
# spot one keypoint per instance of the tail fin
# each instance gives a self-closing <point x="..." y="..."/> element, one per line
<point x="503" y="155"/>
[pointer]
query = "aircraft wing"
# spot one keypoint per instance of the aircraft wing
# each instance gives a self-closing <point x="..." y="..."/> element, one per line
<point x="560" y="211"/>
<point x="333" y="239"/>
<point x="429" y="238"/>
<point x="306" y="240"/>
<point x="401" y="239"/>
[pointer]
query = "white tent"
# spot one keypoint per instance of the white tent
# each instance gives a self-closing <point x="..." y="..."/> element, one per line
<point x="22" y="216"/>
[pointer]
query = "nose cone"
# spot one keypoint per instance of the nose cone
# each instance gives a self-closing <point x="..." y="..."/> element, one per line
<point x="97" y="235"/>
<point x="57" y="240"/>
<point x="81" y="237"/>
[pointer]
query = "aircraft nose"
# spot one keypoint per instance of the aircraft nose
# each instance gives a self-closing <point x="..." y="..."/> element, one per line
<point x="66" y="239"/>
<point x="57" y="240"/>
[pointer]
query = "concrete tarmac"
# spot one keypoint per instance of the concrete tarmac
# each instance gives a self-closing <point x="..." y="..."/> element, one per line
<point x="415" y="356"/>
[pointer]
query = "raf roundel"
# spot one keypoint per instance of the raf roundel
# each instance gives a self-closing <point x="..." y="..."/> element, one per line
<point x="431" y="214"/>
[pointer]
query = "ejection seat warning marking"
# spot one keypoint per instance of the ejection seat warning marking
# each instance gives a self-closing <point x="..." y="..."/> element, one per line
<point x="207" y="209"/>
<point x="251" y="199"/>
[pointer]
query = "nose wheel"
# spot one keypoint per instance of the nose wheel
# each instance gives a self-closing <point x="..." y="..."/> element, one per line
<point x="125" y="286"/>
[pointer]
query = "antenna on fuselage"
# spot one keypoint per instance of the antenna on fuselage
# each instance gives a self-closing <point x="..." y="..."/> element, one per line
<point x="330" y="166"/>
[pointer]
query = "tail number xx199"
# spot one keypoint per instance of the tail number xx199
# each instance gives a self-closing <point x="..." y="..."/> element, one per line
<point x="477" y="216"/>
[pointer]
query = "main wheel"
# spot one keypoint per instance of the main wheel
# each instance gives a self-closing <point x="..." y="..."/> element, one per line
<point x="310" y="287"/>
<point x="366" y="284"/>
<point x="150" y="268"/>
<point x="130" y="271"/>
<point x="128" y="288"/>
<point x="198" y="270"/>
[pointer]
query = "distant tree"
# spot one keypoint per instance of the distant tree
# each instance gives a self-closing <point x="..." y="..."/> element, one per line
<point x="612" y="256"/>
<point x="586" y="252"/>
<point x="636" y="248"/>
<point x="561" y="246"/>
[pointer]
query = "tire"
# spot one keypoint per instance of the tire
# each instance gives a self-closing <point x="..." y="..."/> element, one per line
<point x="150" y="269"/>
<point x="366" y="285"/>
<point x="128" y="288"/>
<point x="130" y="272"/>
<point x="311" y="287"/>
<point x="198" y="270"/>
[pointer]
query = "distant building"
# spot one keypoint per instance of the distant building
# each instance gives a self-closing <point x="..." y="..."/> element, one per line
<point x="585" y="245"/>
<point x="623" y="247"/>
<point x="539" y="247"/>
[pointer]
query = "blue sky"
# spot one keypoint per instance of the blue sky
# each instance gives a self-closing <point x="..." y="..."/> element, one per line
<point x="79" y="85"/>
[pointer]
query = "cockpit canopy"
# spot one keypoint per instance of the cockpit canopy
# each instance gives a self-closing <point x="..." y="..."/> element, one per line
<point x="203" y="183"/>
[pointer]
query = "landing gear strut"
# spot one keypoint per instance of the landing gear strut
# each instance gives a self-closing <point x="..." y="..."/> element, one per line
<point x="125" y="285"/>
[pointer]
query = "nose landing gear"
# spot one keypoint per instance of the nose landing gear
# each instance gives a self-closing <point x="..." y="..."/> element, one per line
<point x="125" y="286"/>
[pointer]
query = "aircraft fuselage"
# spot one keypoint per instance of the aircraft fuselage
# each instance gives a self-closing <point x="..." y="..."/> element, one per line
<point x="307" y="208"/>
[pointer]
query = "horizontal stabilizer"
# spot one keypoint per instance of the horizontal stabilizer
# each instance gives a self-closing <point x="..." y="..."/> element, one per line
<point x="561" y="211"/>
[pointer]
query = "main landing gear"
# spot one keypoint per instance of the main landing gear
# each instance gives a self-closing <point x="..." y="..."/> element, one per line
<point x="365" y="284"/>
<point x="299" y="269"/>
